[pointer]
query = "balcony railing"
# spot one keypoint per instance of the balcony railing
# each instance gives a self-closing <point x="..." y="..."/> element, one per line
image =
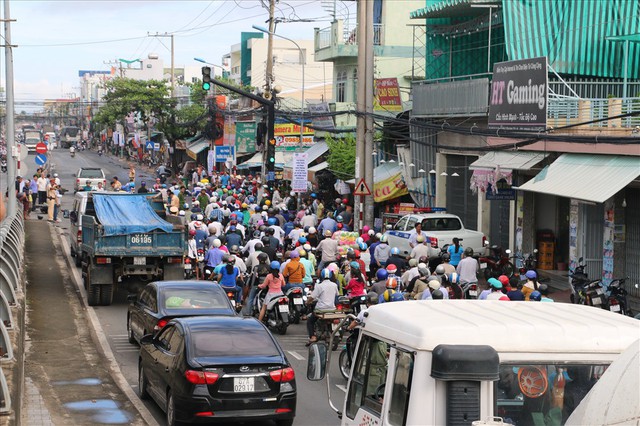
<point x="567" y="111"/>
<point x="349" y="35"/>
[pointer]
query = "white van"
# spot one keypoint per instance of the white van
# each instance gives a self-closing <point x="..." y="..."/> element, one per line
<point x="458" y="361"/>
<point x="75" y="229"/>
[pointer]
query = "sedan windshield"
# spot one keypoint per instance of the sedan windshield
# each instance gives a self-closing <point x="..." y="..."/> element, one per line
<point x="230" y="343"/>
<point x="181" y="299"/>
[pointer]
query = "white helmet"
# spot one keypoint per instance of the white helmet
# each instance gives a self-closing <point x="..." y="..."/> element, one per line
<point x="212" y="228"/>
<point x="217" y="243"/>
<point x="196" y="203"/>
<point x="312" y="230"/>
<point x="371" y="232"/>
<point x="181" y="213"/>
<point x="216" y="205"/>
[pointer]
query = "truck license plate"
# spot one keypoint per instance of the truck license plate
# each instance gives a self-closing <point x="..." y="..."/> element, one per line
<point x="244" y="384"/>
<point x="139" y="260"/>
<point x="297" y="301"/>
<point x="283" y="308"/>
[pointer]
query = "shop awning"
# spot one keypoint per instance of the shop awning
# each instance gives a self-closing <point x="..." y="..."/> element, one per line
<point x="313" y="152"/>
<point x="508" y="160"/>
<point x="197" y="147"/>
<point x="588" y="177"/>
<point x="256" y="161"/>
<point x="319" y="167"/>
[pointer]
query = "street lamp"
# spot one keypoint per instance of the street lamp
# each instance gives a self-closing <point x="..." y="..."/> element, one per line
<point x="302" y="58"/>
<point x="209" y="63"/>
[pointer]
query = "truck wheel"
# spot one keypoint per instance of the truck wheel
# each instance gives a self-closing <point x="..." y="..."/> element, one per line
<point x="93" y="294"/>
<point x="106" y="294"/>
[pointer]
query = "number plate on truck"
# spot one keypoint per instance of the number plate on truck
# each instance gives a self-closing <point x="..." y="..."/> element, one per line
<point x="139" y="260"/>
<point x="140" y="239"/>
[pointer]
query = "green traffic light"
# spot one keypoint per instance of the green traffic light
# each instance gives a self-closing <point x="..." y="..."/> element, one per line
<point x="206" y="86"/>
<point x="272" y="160"/>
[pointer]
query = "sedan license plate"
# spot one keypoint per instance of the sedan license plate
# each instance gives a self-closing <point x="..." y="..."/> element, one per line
<point x="483" y="266"/>
<point x="297" y="301"/>
<point x="139" y="260"/>
<point x="473" y="293"/>
<point x="244" y="384"/>
<point x="283" y="308"/>
<point x="614" y="308"/>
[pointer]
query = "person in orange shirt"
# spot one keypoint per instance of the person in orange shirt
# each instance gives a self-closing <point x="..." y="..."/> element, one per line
<point x="294" y="272"/>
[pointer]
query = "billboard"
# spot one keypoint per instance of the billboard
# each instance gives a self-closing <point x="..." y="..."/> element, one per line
<point x="287" y="136"/>
<point x="518" y="95"/>
<point x="324" y="122"/>
<point x="246" y="136"/>
<point x="387" y="95"/>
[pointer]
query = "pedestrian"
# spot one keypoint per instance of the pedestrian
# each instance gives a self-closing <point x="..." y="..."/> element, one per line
<point x="51" y="199"/>
<point x="42" y="189"/>
<point x="56" y="210"/>
<point x="116" y="185"/>
<point x="132" y="172"/>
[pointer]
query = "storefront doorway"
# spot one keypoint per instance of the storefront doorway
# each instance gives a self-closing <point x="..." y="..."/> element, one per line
<point x="592" y="239"/>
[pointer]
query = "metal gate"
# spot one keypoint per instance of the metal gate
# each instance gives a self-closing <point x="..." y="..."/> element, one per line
<point x="460" y="200"/>
<point x="500" y="221"/>
<point x="593" y="239"/>
<point x="632" y="239"/>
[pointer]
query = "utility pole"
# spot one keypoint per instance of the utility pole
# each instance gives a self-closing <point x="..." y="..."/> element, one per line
<point x="173" y="75"/>
<point x="368" y="137"/>
<point x="361" y="153"/>
<point x="268" y="86"/>
<point x="10" y="113"/>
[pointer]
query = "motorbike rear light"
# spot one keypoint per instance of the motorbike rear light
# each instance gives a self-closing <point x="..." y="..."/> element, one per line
<point x="283" y="410"/>
<point x="230" y="294"/>
<point x="283" y="375"/>
<point x="174" y="260"/>
<point x="201" y="377"/>
<point x="296" y="290"/>
<point x="473" y="287"/>
<point x="78" y="181"/>
<point x="79" y="236"/>
<point x="205" y="414"/>
<point x="187" y="261"/>
<point x="283" y="301"/>
<point x="103" y="260"/>
<point x="613" y="301"/>
<point x="434" y="242"/>
<point x="484" y="241"/>
<point x="160" y="324"/>
<point x="336" y="321"/>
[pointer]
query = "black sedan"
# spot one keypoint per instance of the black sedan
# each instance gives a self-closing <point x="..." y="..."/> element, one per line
<point x="160" y="301"/>
<point x="217" y="369"/>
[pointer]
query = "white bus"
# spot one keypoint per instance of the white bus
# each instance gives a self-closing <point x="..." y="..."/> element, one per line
<point x="457" y="361"/>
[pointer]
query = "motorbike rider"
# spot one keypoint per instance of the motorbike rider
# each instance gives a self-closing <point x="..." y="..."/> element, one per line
<point x="381" y="284"/>
<point x="229" y="277"/>
<point x="392" y="270"/>
<point x="274" y="281"/>
<point x="233" y="237"/>
<point x="396" y="259"/>
<point x="259" y="272"/>
<point x="72" y="150"/>
<point x="267" y="248"/>
<point x="308" y="267"/>
<point x="324" y="295"/>
<point x="495" y="291"/>
<point x="391" y="290"/>
<point x="357" y="283"/>
<point x="468" y="268"/>
<point x="213" y="257"/>
<point x="294" y="272"/>
<point x="531" y="285"/>
<point x="328" y="249"/>
<point x="421" y="284"/>
<point x="382" y="252"/>
<point x="240" y="263"/>
<point x="192" y="252"/>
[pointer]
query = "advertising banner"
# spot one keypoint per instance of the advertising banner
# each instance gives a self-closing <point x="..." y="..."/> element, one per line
<point x="287" y="136"/>
<point x="321" y="122"/>
<point x="223" y="153"/>
<point x="387" y="95"/>
<point x="229" y="138"/>
<point x="246" y="136"/>
<point x="388" y="183"/>
<point x="518" y="97"/>
<point x="299" y="178"/>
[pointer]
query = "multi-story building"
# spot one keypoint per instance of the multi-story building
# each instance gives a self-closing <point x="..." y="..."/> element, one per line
<point x="575" y="182"/>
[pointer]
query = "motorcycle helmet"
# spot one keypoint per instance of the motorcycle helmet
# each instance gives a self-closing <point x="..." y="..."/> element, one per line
<point x="453" y="278"/>
<point x="504" y="280"/>
<point x="328" y="233"/>
<point x="384" y="239"/>
<point x="307" y="247"/>
<point x="365" y="229"/>
<point x="395" y="251"/>
<point x="256" y="234"/>
<point x="446" y="257"/>
<point x="468" y="251"/>
<point x="434" y="285"/>
<point x="266" y="240"/>
<point x="326" y="274"/>
<point x="193" y="216"/>
<point x="382" y="274"/>
<point x="192" y="232"/>
<point x="372" y="298"/>
<point x="302" y="240"/>
<point x="314" y="195"/>
<point x="420" y="239"/>
<point x="217" y="242"/>
<point x="494" y="283"/>
<point x="357" y="253"/>
<point x="294" y="254"/>
<point x="312" y="230"/>
<point x="231" y="259"/>
<point x="392" y="283"/>
<point x="440" y="270"/>
<point x="234" y="249"/>
<point x="345" y="201"/>
<point x="211" y="228"/>
<point x="258" y="246"/>
<point x="333" y="268"/>
<point x="371" y="232"/>
<point x="302" y="252"/>
<point x="531" y="274"/>
<point x="225" y="258"/>
<point x="386" y="295"/>
<point x="268" y="202"/>
<point x="423" y="259"/>
<point x="274" y="265"/>
<point x="351" y="254"/>
<point x="362" y="246"/>
<point x="543" y="289"/>
<point x="339" y="219"/>
<point x="396" y="297"/>
<point x="263" y="257"/>
<point x="199" y="217"/>
<point x="359" y="240"/>
<point x="392" y="269"/>
<point x="270" y="231"/>
<point x="536" y="296"/>
<point x="181" y="213"/>
<point x="340" y="226"/>
<point x="413" y="263"/>
<point x="423" y="271"/>
<point x="355" y="265"/>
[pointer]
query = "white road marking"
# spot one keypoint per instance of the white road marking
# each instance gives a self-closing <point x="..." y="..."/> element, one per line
<point x="342" y="388"/>
<point x="296" y="355"/>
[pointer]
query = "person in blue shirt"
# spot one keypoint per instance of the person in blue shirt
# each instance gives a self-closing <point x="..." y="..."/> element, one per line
<point x="229" y="276"/>
<point x="328" y="224"/>
<point x="224" y="179"/>
<point x="455" y="251"/>
<point x="233" y="237"/>
<point x="201" y="236"/>
<point x="373" y="265"/>
<point x="213" y="257"/>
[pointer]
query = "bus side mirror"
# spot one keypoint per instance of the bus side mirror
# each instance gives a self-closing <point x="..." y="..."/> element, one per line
<point x="317" y="364"/>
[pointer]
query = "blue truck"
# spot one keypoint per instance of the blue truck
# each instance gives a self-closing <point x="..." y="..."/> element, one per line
<point x="128" y="240"/>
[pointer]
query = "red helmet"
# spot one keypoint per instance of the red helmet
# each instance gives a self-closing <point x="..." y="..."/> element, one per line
<point x="392" y="283"/>
<point x="339" y="226"/>
<point x="357" y="253"/>
<point x="345" y="201"/>
<point x="192" y="232"/>
<point x="504" y="280"/>
<point x="392" y="269"/>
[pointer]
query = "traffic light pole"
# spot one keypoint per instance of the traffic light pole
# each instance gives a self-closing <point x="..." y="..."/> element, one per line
<point x="271" y="115"/>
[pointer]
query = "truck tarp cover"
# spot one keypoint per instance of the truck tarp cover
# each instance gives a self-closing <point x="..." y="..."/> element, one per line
<point x="127" y="214"/>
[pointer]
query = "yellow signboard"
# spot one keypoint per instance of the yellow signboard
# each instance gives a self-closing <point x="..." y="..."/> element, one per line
<point x="390" y="188"/>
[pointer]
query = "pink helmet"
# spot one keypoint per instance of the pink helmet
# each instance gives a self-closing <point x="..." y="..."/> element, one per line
<point x="365" y="229"/>
<point x="333" y="268"/>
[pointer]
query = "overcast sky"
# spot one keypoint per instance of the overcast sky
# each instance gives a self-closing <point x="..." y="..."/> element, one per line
<point x="57" y="38"/>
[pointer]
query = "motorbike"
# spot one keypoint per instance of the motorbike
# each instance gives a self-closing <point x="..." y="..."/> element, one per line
<point x="357" y="303"/>
<point x="579" y="279"/>
<point x="72" y="152"/>
<point x="470" y="290"/>
<point x="345" y="359"/>
<point x="188" y="269"/>
<point x="617" y="298"/>
<point x="231" y="294"/>
<point x="277" y="315"/>
<point x="327" y="322"/>
<point x="3" y="165"/>
<point x="100" y="152"/>
<point x="497" y="263"/>
<point x="296" y="303"/>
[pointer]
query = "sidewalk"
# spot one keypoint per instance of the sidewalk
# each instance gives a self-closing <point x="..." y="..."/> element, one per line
<point x="67" y="381"/>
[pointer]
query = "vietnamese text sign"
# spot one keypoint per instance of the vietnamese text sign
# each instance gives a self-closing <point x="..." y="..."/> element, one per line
<point x="299" y="178"/>
<point x="387" y="95"/>
<point x="518" y="96"/>
<point x="503" y="191"/>
<point x="246" y="136"/>
<point x="321" y="122"/>
<point x="211" y="156"/>
<point x="229" y="137"/>
<point x="287" y="129"/>
<point x="223" y="153"/>
<point x="292" y="142"/>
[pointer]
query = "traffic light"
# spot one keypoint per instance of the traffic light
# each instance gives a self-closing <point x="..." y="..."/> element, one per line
<point x="206" y="78"/>
<point x="271" y="155"/>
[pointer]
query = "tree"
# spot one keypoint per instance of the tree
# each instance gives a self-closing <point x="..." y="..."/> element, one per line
<point x="342" y="156"/>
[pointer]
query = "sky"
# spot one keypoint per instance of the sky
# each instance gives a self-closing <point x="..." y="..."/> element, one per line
<point x="56" y="39"/>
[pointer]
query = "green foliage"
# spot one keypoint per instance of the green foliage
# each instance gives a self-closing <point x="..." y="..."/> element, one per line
<point x="342" y="156"/>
